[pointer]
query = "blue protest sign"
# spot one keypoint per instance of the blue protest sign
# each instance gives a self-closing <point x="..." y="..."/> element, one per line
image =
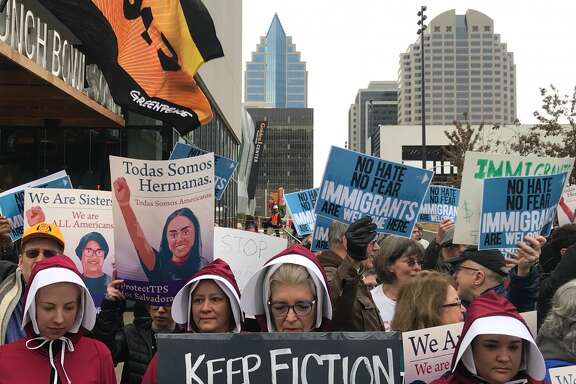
<point x="515" y="207"/>
<point x="224" y="167"/>
<point x="12" y="201"/>
<point x="440" y="203"/>
<point x="320" y="236"/>
<point x="301" y="206"/>
<point x="356" y="185"/>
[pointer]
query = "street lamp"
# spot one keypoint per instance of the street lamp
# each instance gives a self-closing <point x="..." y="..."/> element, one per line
<point x="421" y="29"/>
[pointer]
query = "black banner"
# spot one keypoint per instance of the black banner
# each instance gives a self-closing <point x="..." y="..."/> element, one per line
<point x="275" y="358"/>
<point x="259" y="135"/>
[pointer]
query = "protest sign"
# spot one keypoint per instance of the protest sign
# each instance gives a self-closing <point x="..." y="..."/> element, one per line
<point x="163" y="223"/>
<point x="515" y="207"/>
<point x="320" y="234"/>
<point x="245" y="251"/>
<point x="567" y="206"/>
<point x="563" y="375"/>
<point x="338" y="358"/>
<point x="479" y="166"/>
<point x="85" y="219"/>
<point x="301" y="206"/>
<point x="356" y="185"/>
<point x="428" y="352"/>
<point x="440" y="203"/>
<point x="223" y="170"/>
<point x="12" y="201"/>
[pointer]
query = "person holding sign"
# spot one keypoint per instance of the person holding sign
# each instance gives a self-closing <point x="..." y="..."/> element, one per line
<point x="208" y="303"/>
<point x="557" y="336"/>
<point x="495" y="347"/>
<point x="397" y="262"/>
<point x="58" y="309"/>
<point x="178" y="257"/>
<point x="289" y="293"/>
<point x="354" y="308"/>
<point x="7" y="248"/>
<point x="39" y="242"/>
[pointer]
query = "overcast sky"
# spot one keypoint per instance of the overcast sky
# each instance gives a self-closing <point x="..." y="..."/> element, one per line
<point x="347" y="44"/>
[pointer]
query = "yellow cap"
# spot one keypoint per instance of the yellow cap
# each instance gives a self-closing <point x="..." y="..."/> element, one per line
<point x="49" y="231"/>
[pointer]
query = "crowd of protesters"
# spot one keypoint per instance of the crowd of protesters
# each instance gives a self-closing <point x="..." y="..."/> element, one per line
<point x="50" y="331"/>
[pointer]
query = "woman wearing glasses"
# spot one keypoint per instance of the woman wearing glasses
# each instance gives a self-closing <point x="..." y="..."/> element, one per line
<point x="289" y="293"/>
<point x="92" y="250"/>
<point x="397" y="262"/>
<point x="427" y="300"/>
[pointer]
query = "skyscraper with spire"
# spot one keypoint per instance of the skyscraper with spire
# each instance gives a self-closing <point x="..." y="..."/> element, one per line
<point x="276" y="77"/>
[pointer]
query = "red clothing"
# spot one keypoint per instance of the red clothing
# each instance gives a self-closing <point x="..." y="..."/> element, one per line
<point x="151" y="374"/>
<point x="493" y="305"/>
<point x="90" y="362"/>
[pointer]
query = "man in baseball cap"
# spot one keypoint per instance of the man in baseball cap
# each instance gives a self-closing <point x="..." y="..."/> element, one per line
<point x="478" y="272"/>
<point x="39" y="241"/>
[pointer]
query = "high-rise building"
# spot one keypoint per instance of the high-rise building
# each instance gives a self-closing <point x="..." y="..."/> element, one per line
<point x="276" y="77"/>
<point x="374" y="106"/>
<point x="468" y="69"/>
<point x="287" y="159"/>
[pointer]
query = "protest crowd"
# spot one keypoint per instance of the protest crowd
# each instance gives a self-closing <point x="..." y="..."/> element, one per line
<point x="52" y="331"/>
<point x="379" y="275"/>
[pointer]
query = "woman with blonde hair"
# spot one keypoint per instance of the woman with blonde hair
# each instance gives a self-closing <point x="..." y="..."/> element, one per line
<point x="427" y="300"/>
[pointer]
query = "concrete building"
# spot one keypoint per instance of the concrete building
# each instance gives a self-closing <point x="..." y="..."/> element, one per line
<point x="468" y="69"/>
<point x="373" y="106"/>
<point x="276" y="77"/>
<point x="404" y="144"/>
<point x="287" y="159"/>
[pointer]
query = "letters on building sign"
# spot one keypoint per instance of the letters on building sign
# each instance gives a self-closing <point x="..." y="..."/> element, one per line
<point x="30" y="36"/>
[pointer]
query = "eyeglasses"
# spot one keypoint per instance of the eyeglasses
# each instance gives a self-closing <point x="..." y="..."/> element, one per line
<point x="301" y="308"/>
<point x="90" y="252"/>
<point x="468" y="268"/>
<point x="457" y="303"/>
<point x="34" y="253"/>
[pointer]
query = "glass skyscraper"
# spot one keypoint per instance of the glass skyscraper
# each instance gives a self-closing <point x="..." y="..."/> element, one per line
<point x="276" y="77"/>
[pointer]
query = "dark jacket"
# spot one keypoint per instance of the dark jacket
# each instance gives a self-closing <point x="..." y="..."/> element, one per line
<point x="8" y="250"/>
<point x="433" y="259"/>
<point x="354" y="309"/>
<point x="564" y="272"/>
<point x="331" y="262"/>
<point x="133" y="344"/>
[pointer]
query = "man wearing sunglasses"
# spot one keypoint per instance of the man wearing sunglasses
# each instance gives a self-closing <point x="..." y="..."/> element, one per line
<point x="39" y="242"/>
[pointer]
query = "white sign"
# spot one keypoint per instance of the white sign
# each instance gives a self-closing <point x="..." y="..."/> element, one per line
<point x="566" y="210"/>
<point x="245" y="251"/>
<point x="479" y="166"/>
<point x="563" y="375"/>
<point x="428" y="352"/>
<point x="85" y="219"/>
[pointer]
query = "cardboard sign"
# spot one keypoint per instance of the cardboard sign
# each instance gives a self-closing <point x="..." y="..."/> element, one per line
<point x="479" y="166"/>
<point x="567" y="206"/>
<point x="312" y="357"/>
<point x="85" y="219"/>
<point x="440" y="203"/>
<point x="301" y="206"/>
<point x="245" y="251"/>
<point x="222" y="172"/>
<point x="428" y="352"/>
<point x="356" y="185"/>
<point x="320" y="236"/>
<point x="515" y="207"/>
<point x="562" y="375"/>
<point x="164" y="223"/>
<point x="12" y="201"/>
